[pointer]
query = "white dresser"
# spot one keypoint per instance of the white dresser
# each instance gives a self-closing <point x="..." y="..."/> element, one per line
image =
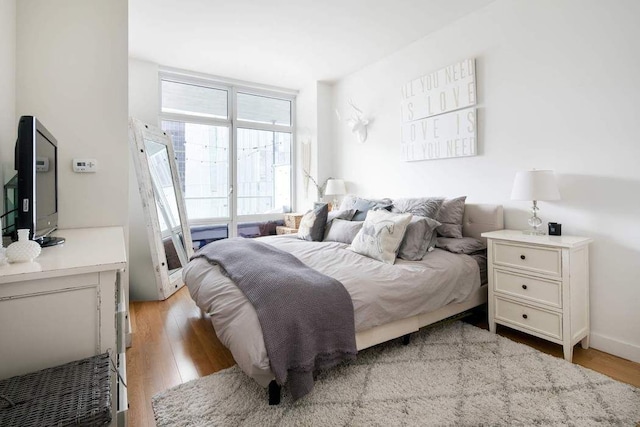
<point x="540" y="285"/>
<point x="66" y="305"/>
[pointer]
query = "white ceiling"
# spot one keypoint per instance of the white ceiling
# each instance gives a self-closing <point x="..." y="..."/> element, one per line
<point x="285" y="43"/>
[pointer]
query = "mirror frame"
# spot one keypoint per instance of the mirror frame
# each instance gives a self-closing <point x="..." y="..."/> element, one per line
<point x="167" y="283"/>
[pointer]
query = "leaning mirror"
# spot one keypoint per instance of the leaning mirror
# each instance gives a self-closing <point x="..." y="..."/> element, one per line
<point x="163" y="216"/>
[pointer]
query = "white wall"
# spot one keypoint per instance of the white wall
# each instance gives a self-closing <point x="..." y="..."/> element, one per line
<point x="558" y="89"/>
<point x="144" y="95"/>
<point x="71" y="68"/>
<point x="8" y="121"/>
<point x="314" y="123"/>
<point x="306" y="132"/>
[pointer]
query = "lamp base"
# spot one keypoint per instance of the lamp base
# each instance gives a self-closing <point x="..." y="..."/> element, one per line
<point x="534" y="222"/>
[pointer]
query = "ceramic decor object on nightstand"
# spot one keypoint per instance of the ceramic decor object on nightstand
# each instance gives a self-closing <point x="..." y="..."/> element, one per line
<point x="540" y="285"/>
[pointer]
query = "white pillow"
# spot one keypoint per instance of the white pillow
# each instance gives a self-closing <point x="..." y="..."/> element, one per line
<point x="381" y="235"/>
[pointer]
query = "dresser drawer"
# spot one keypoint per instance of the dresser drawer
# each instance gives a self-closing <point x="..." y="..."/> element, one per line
<point x="541" y="321"/>
<point x="532" y="258"/>
<point x="539" y="290"/>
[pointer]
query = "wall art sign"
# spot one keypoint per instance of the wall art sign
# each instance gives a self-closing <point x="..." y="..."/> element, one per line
<point x="445" y="94"/>
<point x="440" y="137"/>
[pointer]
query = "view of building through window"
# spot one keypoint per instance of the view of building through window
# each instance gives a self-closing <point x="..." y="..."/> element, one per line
<point x="213" y="152"/>
<point x="202" y="157"/>
<point x="264" y="172"/>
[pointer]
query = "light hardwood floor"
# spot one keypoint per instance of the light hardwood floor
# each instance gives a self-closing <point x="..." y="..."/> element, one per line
<point x="174" y="342"/>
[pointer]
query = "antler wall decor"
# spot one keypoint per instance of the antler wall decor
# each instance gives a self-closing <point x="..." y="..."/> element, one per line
<point x="357" y="123"/>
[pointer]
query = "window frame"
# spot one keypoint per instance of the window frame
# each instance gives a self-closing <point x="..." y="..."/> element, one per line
<point x="233" y="87"/>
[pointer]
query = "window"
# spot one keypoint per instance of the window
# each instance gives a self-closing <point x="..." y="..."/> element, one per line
<point x="234" y="149"/>
<point x="261" y="109"/>
<point x="202" y="157"/>
<point x="194" y="100"/>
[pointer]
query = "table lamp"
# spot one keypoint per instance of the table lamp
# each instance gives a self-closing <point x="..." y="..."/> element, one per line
<point x="535" y="185"/>
<point x="335" y="187"/>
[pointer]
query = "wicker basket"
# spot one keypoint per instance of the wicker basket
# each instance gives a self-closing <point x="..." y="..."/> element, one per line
<point x="285" y="230"/>
<point x="292" y="220"/>
<point x="77" y="393"/>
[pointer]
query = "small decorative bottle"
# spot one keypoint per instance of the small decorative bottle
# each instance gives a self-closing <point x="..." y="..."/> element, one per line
<point x="24" y="250"/>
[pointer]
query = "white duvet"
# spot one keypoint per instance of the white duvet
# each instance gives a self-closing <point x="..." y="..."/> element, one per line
<point x="381" y="293"/>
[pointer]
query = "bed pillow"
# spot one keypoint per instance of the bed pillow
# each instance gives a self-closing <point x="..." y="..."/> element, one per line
<point x="345" y="214"/>
<point x="381" y="235"/>
<point x="417" y="238"/>
<point x="362" y="206"/>
<point x="340" y="230"/>
<point x="350" y="199"/>
<point x="312" y="224"/>
<point x="421" y="206"/>
<point x="463" y="245"/>
<point x="450" y="215"/>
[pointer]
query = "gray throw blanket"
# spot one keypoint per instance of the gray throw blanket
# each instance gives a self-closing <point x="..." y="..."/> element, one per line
<point x="306" y="317"/>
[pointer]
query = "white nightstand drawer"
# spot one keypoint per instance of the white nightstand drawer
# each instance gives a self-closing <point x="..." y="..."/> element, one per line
<point x="539" y="259"/>
<point x="541" y="321"/>
<point x="528" y="287"/>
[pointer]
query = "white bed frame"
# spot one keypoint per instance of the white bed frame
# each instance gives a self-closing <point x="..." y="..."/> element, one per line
<point x="478" y="218"/>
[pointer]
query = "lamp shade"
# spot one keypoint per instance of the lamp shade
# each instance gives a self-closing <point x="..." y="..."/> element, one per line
<point x="335" y="187"/>
<point x="535" y="185"/>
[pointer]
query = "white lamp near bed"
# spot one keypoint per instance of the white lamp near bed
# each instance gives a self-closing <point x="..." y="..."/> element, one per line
<point x="535" y="185"/>
<point x="335" y="187"/>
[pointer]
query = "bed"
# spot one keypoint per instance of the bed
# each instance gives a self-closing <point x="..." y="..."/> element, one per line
<point x="390" y="301"/>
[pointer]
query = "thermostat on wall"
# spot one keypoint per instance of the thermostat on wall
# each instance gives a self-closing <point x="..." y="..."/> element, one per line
<point x="85" y="165"/>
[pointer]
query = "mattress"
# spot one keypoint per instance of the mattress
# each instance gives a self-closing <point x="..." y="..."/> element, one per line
<point x="381" y="293"/>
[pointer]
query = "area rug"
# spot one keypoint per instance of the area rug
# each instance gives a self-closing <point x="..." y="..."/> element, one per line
<point x="450" y="374"/>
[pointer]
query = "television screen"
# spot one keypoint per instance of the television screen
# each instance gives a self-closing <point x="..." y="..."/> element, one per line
<point x="36" y="163"/>
<point x="45" y="183"/>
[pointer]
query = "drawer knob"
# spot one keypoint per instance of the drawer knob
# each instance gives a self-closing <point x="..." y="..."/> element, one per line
<point x="524" y="286"/>
<point x="522" y="257"/>
<point x="524" y="316"/>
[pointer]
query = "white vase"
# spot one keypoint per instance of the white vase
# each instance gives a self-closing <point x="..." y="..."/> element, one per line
<point x="24" y="250"/>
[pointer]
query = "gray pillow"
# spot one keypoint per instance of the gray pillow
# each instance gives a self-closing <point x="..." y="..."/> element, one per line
<point x="422" y="206"/>
<point x="418" y="238"/>
<point x="340" y="230"/>
<point x="362" y="206"/>
<point x="463" y="245"/>
<point x="450" y="215"/>
<point x="345" y="214"/>
<point x="312" y="224"/>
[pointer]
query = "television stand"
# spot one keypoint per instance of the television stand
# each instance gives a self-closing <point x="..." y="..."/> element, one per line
<point x="50" y="241"/>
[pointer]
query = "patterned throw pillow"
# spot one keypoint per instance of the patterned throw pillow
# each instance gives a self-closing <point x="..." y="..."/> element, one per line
<point x="450" y="215"/>
<point x="312" y="224"/>
<point x="419" y="206"/>
<point x="418" y="238"/>
<point x="381" y="235"/>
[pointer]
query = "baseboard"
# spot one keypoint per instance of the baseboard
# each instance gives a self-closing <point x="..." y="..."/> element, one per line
<point x="617" y="348"/>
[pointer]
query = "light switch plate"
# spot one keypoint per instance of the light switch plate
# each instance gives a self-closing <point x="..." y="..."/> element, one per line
<point x="85" y="165"/>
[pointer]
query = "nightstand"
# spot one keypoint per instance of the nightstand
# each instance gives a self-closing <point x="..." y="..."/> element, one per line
<point x="540" y="285"/>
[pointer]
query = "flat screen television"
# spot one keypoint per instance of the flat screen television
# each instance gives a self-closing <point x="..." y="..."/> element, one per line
<point x="36" y="160"/>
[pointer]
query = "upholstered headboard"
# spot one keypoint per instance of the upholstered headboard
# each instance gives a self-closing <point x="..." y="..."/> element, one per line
<point x="479" y="218"/>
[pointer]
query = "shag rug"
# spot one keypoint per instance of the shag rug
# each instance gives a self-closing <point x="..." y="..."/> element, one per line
<point x="450" y="374"/>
